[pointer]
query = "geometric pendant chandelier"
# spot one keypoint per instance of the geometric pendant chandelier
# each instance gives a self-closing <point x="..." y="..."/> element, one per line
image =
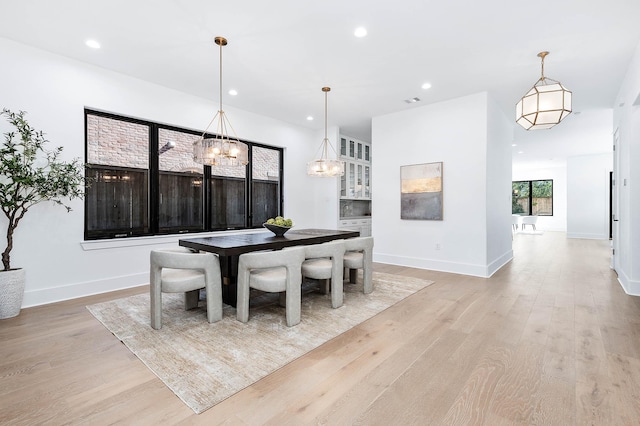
<point x="325" y="166"/>
<point x="545" y="105"/>
<point x="220" y="149"/>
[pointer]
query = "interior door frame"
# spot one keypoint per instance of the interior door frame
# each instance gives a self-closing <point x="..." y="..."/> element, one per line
<point x="615" y="204"/>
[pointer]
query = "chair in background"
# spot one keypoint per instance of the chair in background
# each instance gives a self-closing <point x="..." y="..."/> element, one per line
<point x="324" y="262"/>
<point x="516" y="221"/>
<point x="275" y="272"/>
<point x="183" y="271"/>
<point x="359" y="255"/>
<point x="529" y="220"/>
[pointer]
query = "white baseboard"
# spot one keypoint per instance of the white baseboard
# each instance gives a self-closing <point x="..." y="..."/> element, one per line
<point x="495" y="266"/>
<point x="74" y="291"/>
<point x="587" y="236"/>
<point x="433" y="265"/>
<point x="631" y="287"/>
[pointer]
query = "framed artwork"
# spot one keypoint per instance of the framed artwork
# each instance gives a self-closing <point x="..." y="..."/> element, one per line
<point x="421" y="191"/>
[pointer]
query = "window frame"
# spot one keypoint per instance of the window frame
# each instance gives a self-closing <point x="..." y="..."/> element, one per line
<point x="153" y="182"/>
<point x="530" y="195"/>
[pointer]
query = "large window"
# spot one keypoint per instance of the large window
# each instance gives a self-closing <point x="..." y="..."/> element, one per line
<point x="145" y="182"/>
<point x="532" y="197"/>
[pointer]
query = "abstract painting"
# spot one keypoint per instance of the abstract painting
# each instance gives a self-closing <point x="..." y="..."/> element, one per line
<point x="421" y="191"/>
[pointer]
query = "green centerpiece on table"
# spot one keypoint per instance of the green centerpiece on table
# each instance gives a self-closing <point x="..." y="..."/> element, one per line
<point x="278" y="225"/>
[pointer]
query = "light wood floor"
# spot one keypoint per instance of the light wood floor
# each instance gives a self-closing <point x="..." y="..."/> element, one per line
<point x="550" y="339"/>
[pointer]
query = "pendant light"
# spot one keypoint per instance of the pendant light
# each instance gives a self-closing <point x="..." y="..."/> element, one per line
<point x="324" y="166"/>
<point x="545" y="105"/>
<point x="221" y="149"/>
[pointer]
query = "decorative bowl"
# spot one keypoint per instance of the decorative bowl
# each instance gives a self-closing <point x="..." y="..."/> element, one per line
<point x="276" y="229"/>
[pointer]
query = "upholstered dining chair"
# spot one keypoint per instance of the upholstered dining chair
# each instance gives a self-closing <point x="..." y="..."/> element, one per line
<point x="274" y="272"/>
<point x="324" y="262"/>
<point x="184" y="271"/>
<point x="529" y="220"/>
<point x="359" y="255"/>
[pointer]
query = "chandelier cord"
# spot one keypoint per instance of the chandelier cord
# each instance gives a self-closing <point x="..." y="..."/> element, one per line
<point x="325" y="154"/>
<point x="221" y="44"/>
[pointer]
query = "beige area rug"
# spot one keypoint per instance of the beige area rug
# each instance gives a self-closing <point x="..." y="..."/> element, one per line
<point x="204" y="363"/>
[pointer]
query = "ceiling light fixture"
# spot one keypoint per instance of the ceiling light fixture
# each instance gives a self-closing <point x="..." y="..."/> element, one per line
<point x="545" y="105"/>
<point x="426" y="86"/>
<point x="324" y="166"/>
<point x="221" y="149"/>
<point x="360" y="32"/>
<point x="92" y="44"/>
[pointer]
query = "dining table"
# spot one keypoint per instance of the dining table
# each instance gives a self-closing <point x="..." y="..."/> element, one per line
<point x="229" y="247"/>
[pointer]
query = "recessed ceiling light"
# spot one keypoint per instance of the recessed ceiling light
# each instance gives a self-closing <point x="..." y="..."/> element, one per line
<point x="309" y="118"/>
<point x="233" y="92"/>
<point x="360" y="32"/>
<point x="520" y="152"/>
<point x="92" y="44"/>
<point x="514" y="144"/>
<point x="426" y="86"/>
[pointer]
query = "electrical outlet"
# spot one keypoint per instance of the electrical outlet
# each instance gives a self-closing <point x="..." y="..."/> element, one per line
<point x="437" y="246"/>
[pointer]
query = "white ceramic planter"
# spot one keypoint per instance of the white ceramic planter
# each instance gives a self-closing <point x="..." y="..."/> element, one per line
<point x="11" y="292"/>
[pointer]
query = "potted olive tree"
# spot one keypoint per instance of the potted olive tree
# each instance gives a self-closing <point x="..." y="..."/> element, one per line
<point x="29" y="174"/>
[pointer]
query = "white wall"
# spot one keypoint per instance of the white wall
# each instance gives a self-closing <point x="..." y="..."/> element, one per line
<point x="588" y="196"/>
<point x="557" y="222"/>
<point x="499" y="133"/>
<point x="455" y="132"/>
<point x="626" y="118"/>
<point x="54" y="91"/>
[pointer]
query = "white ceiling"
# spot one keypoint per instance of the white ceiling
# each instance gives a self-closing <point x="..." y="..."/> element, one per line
<point x="282" y="52"/>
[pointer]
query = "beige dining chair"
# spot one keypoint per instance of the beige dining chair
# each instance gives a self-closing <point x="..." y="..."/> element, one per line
<point x="359" y="255"/>
<point x="274" y="272"/>
<point x="324" y="262"/>
<point x="184" y="271"/>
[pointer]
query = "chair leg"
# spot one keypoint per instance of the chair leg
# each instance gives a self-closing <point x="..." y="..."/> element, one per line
<point x="155" y="293"/>
<point x="353" y="276"/>
<point x="293" y="306"/>
<point x="367" y="278"/>
<point x="325" y="285"/>
<point x="337" y="294"/>
<point x="191" y="299"/>
<point x="214" y="303"/>
<point x="242" y="304"/>
<point x="156" y="309"/>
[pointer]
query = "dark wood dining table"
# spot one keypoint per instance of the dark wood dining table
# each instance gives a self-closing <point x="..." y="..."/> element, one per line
<point x="230" y="247"/>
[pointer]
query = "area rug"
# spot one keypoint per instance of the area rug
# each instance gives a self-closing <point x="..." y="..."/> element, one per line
<point x="203" y="363"/>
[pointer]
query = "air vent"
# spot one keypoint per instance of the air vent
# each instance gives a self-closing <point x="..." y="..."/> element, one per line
<point x="412" y="100"/>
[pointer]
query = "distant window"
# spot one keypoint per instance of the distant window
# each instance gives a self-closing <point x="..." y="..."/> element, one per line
<point x="145" y="182"/>
<point x="532" y="197"/>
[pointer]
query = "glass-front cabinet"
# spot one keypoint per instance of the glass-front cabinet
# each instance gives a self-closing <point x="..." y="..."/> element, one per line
<point x="356" y="181"/>
<point x="355" y="186"/>
<point x="353" y="149"/>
